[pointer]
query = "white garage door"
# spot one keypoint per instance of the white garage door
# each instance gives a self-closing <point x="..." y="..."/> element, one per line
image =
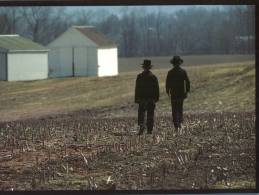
<point x="27" y="66"/>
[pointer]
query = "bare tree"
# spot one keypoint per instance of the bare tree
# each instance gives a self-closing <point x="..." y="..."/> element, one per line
<point x="44" y="23"/>
<point x="250" y="15"/>
<point x="10" y="16"/>
<point x="129" y="34"/>
<point x="83" y="17"/>
<point x="141" y="33"/>
<point x="4" y="24"/>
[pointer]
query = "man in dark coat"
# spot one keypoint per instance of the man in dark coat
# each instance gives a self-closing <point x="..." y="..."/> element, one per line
<point x="146" y="95"/>
<point x="177" y="86"/>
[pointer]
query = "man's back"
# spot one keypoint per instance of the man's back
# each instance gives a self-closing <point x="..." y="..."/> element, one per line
<point x="146" y="87"/>
<point x="177" y="82"/>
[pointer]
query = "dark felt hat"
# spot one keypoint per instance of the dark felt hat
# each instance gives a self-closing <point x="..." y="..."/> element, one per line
<point x="176" y="60"/>
<point x="146" y="64"/>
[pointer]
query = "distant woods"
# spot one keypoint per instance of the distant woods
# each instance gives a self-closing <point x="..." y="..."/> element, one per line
<point x="138" y="32"/>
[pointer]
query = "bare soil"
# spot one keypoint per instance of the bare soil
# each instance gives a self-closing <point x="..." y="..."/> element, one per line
<point x="92" y="149"/>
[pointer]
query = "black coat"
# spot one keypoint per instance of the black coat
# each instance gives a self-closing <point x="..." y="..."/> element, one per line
<point x="177" y="83"/>
<point x="147" y="88"/>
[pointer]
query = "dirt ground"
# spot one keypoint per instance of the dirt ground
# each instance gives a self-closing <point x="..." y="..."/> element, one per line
<point x="99" y="149"/>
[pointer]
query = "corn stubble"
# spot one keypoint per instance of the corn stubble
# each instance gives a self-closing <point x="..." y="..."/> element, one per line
<point x="210" y="151"/>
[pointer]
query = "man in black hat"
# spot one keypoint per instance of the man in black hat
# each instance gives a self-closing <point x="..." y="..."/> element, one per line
<point x="146" y="95"/>
<point x="177" y="86"/>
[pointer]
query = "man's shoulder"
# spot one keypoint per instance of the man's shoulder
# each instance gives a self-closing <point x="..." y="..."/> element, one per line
<point x="176" y="71"/>
<point x="182" y="69"/>
<point x="140" y="75"/>
<point x="146" y="74"/>
<point x="151" y="74"/>
<point x="172" y="71"/>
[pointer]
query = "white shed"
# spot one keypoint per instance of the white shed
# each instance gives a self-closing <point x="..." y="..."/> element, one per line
<point x="22" y="59"/>
<point x="82" y="51"/>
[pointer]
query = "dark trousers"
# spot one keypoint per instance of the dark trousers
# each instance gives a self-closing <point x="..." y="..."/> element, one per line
<point x="149" y="108"/>
<point x="177" y="112"/>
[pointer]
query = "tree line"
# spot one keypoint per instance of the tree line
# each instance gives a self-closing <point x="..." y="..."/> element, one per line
<point x="137" y="32"/>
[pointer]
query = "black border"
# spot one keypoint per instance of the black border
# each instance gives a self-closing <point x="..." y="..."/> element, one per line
<point x="123" y="2"/>
<point x="6" y="66"/>
<point x="256" y="94"/>
<point x="151" y="2"/>
<point x="150" y="192"/>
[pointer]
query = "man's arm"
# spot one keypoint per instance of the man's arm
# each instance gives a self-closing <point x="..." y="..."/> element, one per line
<point x="137" y="90"/>
<point x="157" y="90"/>
<point x="187" y="82"/>
<point x="167" y="84"/>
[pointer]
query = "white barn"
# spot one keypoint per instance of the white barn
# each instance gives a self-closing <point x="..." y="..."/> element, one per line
<point x="82" y="51"/>
<point x="22" y="59"/>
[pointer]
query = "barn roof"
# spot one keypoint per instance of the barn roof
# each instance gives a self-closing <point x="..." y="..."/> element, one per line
<point x="97" y="37"/>
<point x="18" y="43"/>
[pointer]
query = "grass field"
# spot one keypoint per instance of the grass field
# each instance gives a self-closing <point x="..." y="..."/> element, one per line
<point x="80" y="133"/>
<point x="223" y="87"/>
<point x="132" y="64"/>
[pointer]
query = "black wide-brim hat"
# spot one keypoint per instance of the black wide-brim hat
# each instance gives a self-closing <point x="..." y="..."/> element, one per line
<point x="176" y="60"/>
<point x="146" y="64"/>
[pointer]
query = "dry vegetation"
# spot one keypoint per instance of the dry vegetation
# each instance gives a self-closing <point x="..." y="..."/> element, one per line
<point x="223" y="87"/>
<point x="212" y="151"/>
<point x="80" y="133"/>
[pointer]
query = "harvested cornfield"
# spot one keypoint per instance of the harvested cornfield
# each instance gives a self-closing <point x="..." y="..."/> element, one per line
<point x="212" y="151"/>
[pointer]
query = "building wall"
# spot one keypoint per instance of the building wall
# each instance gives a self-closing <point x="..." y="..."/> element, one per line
<point x="27" y="66"/>
<point x="3" y="66"/>
<point x="54" y="64"/>
<point x="107" y="62"/>
<point x="71" y="38"/>
<point x="61" y="55"/>
<point x="81" y="61"/>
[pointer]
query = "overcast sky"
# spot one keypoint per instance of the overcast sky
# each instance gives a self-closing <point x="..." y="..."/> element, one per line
<point x="164" y="8"/>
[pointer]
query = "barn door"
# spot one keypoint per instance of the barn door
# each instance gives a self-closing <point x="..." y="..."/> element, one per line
<point x="80" y="61"/>
<point x="66" y="61"/>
